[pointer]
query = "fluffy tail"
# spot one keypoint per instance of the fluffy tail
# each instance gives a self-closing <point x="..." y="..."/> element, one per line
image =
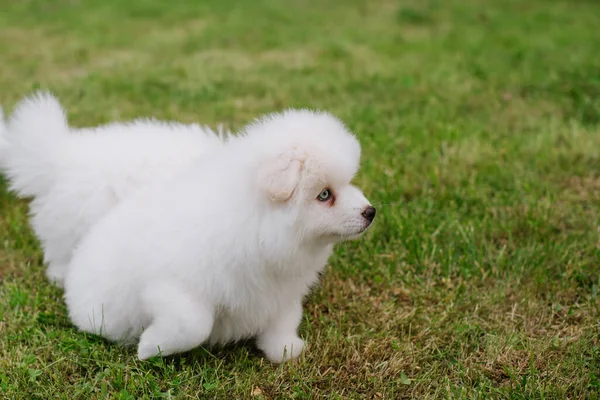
<point x="31" y="143"/>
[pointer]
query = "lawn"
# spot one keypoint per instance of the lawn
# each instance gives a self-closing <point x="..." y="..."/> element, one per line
<point x="480" y="127"/>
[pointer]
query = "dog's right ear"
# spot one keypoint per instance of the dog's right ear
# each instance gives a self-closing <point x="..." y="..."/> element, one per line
<point x="280" y="176"/>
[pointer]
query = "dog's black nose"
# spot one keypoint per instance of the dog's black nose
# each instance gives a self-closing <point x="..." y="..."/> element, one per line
<point x="369" y="213"/>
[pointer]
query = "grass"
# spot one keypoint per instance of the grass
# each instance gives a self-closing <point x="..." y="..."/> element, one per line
<point x="480" y="126"/>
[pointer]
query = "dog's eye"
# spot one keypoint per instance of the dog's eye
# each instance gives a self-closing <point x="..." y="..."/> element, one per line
<point x="324" y="195"/>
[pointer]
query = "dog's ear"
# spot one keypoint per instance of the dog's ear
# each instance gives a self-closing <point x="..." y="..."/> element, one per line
<point x="280" y="175"/>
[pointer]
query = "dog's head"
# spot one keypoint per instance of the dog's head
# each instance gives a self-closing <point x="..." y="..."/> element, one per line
<point x="310" y="160"/>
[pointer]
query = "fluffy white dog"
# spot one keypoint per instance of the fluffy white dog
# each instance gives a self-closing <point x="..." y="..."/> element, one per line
<point x="204" y="239"/>
<point x="228" y="248"/>
<point x="76" y="176"/>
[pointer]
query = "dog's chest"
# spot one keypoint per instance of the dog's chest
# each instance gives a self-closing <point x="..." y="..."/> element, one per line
<point x="255" y="308"/>
<point x="250" y="301"/>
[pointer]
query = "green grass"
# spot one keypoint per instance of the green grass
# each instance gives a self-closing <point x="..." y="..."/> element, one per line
<point x="480" y="126"/>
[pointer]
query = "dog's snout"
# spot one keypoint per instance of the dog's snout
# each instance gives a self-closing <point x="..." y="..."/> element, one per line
<point x="369" y="213"/>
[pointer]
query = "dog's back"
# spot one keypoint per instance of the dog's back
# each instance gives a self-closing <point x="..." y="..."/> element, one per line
<point x="76" y="176"/>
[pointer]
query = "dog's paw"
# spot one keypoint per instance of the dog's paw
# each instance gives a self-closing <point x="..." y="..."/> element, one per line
<point x="148" y="350"/>
<point x="283" y="349"/>
<point x="149" y="345"/>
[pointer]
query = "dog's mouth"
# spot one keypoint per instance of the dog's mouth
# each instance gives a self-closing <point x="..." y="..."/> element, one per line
<point x="348" y="237"/>
<point x="354" y="234"/>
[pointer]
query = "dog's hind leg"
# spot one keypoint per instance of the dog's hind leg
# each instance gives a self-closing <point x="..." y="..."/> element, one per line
<point x="179" y="322"/>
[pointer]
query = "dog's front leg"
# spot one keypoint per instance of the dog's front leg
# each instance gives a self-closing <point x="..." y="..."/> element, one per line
<point x="280" y="341"/>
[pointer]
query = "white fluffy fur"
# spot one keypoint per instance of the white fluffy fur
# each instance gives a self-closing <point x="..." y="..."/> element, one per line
<point x="227" y="249"/>
<point x="76" y="176"/>
<point x="172" y="235"/>
<point x="3" y="142"/>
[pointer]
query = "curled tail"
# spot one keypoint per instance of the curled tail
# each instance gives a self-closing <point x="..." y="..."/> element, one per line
<point x="31" y="143"/>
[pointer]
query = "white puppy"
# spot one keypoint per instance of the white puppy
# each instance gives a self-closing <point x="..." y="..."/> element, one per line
<point x="76" y="176"/>
<point x="228" y="249"/>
